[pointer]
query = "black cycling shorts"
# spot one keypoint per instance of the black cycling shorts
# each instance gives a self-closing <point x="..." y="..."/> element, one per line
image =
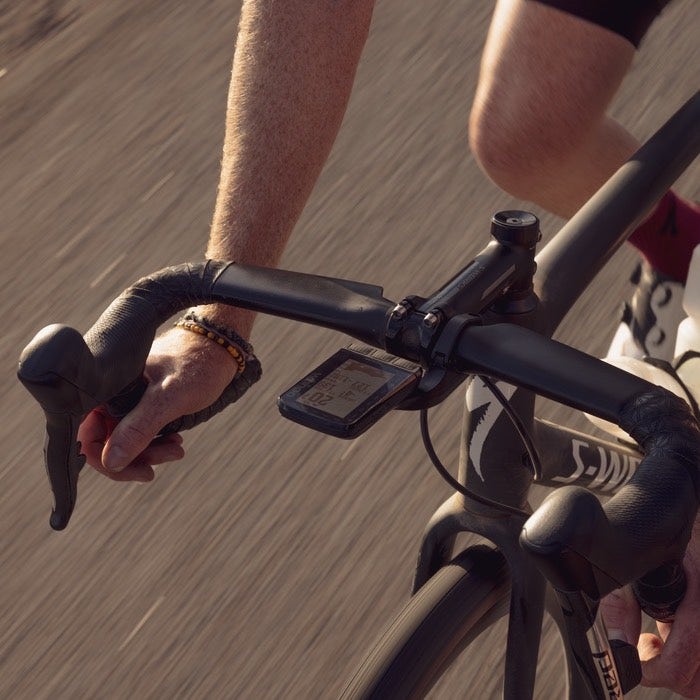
<point x="629" y="18"/>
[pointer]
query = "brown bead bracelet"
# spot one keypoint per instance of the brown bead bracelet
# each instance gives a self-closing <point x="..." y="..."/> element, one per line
<point x="196" y="325"/>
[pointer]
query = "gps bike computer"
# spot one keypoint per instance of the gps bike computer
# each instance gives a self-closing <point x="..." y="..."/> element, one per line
<point x="350" y="391"/>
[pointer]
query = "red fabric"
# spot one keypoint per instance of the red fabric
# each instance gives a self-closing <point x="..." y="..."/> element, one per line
<point x="669" y="236"/>
<point x="109" y="421"/>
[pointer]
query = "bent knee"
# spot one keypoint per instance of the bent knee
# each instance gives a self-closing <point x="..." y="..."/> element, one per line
<point x="546" y="81"/>
<point x="520" y="143"/>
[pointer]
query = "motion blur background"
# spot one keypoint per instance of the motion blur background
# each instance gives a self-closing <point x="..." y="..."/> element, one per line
<point x="265" y="563"/>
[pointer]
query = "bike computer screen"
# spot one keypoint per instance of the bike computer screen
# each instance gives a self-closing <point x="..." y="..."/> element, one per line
<point x="349" y="392"/>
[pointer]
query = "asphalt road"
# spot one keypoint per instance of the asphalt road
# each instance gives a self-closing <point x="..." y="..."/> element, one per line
<point x="262" y="565"/>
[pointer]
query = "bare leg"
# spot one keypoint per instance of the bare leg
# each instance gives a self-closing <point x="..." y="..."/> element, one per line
<point x="538" y="125"/>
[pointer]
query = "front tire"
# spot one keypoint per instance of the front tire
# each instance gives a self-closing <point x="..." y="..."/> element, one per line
<point x="460" y="601"/>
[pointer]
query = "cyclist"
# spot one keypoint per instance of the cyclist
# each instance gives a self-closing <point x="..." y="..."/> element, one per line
<point x="293" y="71"/>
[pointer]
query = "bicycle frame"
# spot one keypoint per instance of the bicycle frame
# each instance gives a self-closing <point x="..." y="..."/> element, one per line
<point x="492" y="461"/>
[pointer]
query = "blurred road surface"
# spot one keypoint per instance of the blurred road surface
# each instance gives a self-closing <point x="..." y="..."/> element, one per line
<point x="263" y="565"/>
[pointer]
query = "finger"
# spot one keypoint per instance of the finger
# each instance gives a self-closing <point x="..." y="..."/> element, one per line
<point x="92" y="435"/>
<point x="135" y="432"/>
<point x="664" y="629"/>
<point x="622" y="616"/>
<point x="658" y="671"/>
<point x="673" y="662"/>
<point x="139" y="471"/>
<point x="672" y="659"/>
<point x="650" y="646"/>
<point x="163" y="449"/>
<point x="160" y="451"/>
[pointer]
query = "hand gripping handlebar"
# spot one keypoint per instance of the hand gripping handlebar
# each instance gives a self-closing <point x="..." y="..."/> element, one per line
<point x="582" y="544"/>
<point x="70" y="374"/>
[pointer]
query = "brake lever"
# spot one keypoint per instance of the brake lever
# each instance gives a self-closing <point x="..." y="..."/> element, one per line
<point x="63" y="463"/>
<point x="58" y="369"/>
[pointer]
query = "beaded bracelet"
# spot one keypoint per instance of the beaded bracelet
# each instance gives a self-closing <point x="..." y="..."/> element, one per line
<point x="228" y="333"/>
<point x="236" y="346"/>
<point x="249" y="369"/>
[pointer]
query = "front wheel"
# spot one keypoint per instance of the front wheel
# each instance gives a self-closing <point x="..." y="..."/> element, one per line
<point x="446" y="614"/>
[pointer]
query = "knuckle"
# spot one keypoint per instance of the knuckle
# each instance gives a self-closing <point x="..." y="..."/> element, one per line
<point x="135" y="433"/>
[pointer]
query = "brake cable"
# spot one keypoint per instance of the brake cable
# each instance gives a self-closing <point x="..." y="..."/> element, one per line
<point x="533" y="456"/>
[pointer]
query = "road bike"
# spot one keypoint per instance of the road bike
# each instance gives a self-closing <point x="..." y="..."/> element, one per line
<point x="489" y="327"/>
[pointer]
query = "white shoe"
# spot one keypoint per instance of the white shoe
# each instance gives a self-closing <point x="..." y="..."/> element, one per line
<point x="650" y="321"/>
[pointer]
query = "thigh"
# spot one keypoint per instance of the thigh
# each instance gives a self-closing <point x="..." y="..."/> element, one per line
<point x="549" y="67"/>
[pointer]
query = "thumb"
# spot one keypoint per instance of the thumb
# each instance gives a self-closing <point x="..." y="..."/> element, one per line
<point x="622" y="616"/>
<point x="650" y="648"/>
<point x="134" y="433"/>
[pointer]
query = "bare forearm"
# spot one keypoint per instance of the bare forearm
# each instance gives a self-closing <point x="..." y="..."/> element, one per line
<point x="293" y="70"/>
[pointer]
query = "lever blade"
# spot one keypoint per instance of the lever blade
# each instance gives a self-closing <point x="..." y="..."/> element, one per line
<point x="53" y="369"/>
<point x="63" y="463"/>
